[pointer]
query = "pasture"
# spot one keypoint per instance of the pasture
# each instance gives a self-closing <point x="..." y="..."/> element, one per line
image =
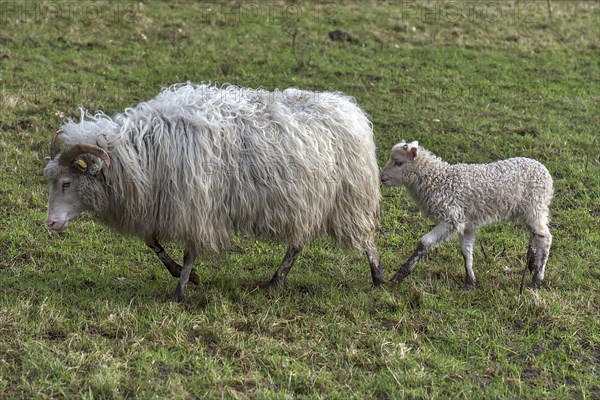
<point x="87" y="313"/>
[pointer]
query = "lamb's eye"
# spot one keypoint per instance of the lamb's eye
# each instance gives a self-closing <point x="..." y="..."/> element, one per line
<point x="398" y="163"/>
<point x="66" y="185"/>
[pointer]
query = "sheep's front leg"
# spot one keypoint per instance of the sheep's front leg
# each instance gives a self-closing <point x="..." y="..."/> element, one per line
<point x="467" y="241"/>
<point x="437" y="235"/>
<point x="284" y="268"/>
<point x="173" y="268"/>
<point x="188" y="263"/>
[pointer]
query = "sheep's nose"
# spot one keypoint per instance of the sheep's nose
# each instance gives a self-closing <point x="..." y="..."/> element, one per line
<point x="384" y="178"/>
<point x="53" y="223"/>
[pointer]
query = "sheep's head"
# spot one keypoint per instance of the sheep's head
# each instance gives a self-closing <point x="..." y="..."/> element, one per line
<point x="75" y="181"/>
<point x="402" y="159"/>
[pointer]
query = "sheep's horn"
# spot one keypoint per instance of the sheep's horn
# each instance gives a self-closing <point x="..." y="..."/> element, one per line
<point x="55" y="146"/>
<point x="70" y="154"/>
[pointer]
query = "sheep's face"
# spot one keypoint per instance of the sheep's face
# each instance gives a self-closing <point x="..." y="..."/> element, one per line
<point x="402" y="159"/>
<point x="72" y="189"/>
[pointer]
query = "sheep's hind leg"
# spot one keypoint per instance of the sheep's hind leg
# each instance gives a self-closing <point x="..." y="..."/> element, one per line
<point x="173" y="268"/>
<point x="467" y="241"/>
<point x="376" y="266"/>
<point x="188" y="263"/>
<point x="428" y="242"/>
<point x="284" y="268"/>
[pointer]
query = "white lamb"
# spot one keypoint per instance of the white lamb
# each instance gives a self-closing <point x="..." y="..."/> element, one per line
<point x="463" y="197"/>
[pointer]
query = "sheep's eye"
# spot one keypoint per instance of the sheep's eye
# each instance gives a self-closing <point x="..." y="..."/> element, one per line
<point x="398" y="163"/>
<point x="66" y="185"/>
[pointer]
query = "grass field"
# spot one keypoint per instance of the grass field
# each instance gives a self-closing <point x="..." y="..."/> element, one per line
<point x="86" y="314"/>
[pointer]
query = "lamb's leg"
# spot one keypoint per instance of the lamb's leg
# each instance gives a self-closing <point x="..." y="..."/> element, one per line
<point x="531" y="254"/>
<point x="467" y="242"/>
<point x="169" y="263"/>
<point x="285" y="266"/>
<point x="437" y="235"/>
<point x="542" y="247"/>
<point x="188" y="263"/>
<point x="376" y="266"/>
<point x="407" y="268"/>
<point x="539" y="249"/>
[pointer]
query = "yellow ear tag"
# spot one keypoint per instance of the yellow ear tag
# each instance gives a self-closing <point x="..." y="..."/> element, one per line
<point x="81" y="164"/>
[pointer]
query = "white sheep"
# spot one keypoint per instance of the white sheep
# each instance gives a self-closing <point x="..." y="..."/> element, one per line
<point x="199" y="161"/>
<point x="463" y="197"/>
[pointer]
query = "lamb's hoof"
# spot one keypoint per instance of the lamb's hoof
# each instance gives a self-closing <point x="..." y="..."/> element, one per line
<point x="469" y="285"/>
<point x="530" y="259"/>
<point x="530" y="267"/>
<point x="400" y="275"/>
<point x="536" y="282"/>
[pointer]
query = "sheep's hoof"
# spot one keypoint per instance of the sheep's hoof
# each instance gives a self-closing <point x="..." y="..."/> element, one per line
<point x="378" y="280"/>
<point x="400" y="275"/>
<point x="177" y="296"/>
<point x="273" y="284"/>
<point x="378" y="283"/>
<point x="536" y="282"/>
<point x="194" y="278"/>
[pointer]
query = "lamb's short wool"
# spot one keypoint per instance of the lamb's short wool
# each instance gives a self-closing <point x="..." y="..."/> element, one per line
<point x="463" y="197"/>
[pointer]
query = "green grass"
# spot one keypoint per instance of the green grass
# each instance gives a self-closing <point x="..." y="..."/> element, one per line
<point x="86" y="314"/>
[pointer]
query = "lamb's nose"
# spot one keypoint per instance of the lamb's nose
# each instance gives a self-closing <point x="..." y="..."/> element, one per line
<point x="384" y="178"/>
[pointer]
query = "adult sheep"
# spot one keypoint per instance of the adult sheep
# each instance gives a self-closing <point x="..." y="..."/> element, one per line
<point x="200" y="161"/>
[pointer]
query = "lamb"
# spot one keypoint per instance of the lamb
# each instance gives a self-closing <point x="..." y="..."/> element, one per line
<point x="199" y="161"/>
<point x="463" y="197"/>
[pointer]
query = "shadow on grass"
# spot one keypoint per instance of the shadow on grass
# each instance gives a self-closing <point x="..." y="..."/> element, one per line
<point x="152" y="285"/>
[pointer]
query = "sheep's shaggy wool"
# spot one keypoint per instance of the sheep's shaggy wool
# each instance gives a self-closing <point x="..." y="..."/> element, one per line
<point x="199" y="161"/>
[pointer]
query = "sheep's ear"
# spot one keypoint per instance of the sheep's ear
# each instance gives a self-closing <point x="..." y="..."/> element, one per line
<point x="92" y="169"/>
<point x="413" y="147"/>
<point x="80" y="165"/>
<point x="96" y="167"/>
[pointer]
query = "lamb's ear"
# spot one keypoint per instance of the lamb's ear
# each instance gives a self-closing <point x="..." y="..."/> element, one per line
<point x="413" y="147"/>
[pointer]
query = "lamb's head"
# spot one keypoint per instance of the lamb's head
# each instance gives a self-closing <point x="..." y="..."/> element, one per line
<point x="402" y="160"/>
<point x="76" y="182"/>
